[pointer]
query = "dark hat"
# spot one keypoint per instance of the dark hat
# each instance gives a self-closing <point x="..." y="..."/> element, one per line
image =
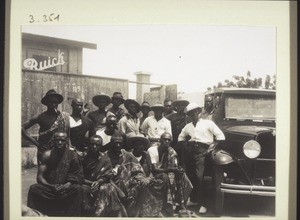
<point x="131" y="101"/>
<point x="158" y="107"/>
<point x="96" y="99"/>
<point x="118" y="95"/>
<point x="51" y="93"/>
<point x="132" y="138"/>
<point x="145" y="105"/>
<point x="180" y="102"/>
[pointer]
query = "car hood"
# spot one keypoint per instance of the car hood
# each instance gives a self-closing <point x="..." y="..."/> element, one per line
<point x="249" y="129"/>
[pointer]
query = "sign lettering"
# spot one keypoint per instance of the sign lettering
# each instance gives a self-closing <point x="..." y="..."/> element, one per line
<point x="33" y="64"/>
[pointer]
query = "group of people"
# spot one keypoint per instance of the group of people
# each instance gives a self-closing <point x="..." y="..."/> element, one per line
<point x="112" y="162"/>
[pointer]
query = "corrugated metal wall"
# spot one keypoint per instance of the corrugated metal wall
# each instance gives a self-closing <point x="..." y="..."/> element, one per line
<point x="36" y="84"/>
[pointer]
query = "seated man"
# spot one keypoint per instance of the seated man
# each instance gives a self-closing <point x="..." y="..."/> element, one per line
<point x="138" y="144"/>
<point x="58" y="191"/>
<point x="164" y="160"/>
<point x="144" y="194"/>
<point x="98" y="191"/>
<point x="110" y="129"/>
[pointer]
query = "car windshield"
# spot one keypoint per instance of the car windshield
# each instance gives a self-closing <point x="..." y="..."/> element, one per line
<point x="250" y="107"/>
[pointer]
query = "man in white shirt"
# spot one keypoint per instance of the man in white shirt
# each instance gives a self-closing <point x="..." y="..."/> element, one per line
<point x="202" y="136"/>
<point x="154" y="126"/>
<point x="110" y="129"/>
<point x="130" y="123"/>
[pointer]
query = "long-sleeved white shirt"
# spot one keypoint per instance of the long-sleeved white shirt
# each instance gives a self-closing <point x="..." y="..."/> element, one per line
<point x="154" y="129"/>
<point x="204" y="132"/>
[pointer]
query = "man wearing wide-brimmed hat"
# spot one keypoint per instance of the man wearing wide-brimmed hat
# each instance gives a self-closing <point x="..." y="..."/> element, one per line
<point x="98" y="117"/>
<point x="117" y="100"/>
<point x="154" y="126"/>
<point x="203" y="136"/>
<point x="130" y="122"/>
<point x="139" y="145"/>
<point x="50" y="121"/>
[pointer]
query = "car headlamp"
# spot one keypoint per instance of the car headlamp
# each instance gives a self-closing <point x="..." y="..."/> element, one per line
<point x="252" y="149"/>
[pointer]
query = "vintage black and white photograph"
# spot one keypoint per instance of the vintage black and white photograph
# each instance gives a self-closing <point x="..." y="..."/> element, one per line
<point x="154" y="120"/>
<point x="138" y="109"/>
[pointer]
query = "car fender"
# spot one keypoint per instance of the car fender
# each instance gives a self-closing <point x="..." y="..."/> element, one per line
<point x="222" y="157"/>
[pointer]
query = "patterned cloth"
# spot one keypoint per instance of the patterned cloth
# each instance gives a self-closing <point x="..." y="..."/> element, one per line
<point x="106" y="201"/>
<point x="59" y="171"/>
<point x="62" y="123"/>
<point x="142" y="200"/>
<point x="179" y="186"/>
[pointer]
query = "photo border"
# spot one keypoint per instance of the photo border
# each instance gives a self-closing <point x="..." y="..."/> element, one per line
<point x="279" y="14"/>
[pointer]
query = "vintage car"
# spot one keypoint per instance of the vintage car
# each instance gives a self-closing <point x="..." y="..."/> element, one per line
<point x="245" y="161"/>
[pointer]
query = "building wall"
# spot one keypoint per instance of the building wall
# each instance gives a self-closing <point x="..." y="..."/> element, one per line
<point x="35" y="84"/>
<point x="72" y="55"/>
<point x="159" y="94"/>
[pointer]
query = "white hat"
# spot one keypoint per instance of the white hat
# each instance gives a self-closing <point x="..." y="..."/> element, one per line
<point x="192" y="106"/>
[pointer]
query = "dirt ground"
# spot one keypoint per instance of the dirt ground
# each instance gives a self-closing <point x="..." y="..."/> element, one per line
<point x="235" y="205"/>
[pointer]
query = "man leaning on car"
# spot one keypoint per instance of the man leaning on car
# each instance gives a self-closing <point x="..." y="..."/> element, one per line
<point x="203" y="136"/>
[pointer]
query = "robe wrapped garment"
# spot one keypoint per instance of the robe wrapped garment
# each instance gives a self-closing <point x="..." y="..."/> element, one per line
<point x="105" y="201"/>
<point x="142" y="200"/>
<point x="59" y="171"/>
<point x="179" y="186"/>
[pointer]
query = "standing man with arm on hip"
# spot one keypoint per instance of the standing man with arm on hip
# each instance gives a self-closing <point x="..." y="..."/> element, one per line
<point x="202" y="136"/>
<point x="50" y="121"/>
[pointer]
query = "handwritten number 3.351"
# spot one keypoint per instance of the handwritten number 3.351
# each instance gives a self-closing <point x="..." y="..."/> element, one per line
<point x="46" y="18"/>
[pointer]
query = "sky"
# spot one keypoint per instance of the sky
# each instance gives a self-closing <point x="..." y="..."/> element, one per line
<point x="192" y="56"/>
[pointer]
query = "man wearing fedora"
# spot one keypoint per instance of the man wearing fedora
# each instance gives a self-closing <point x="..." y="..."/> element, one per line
<point x="130" y="122"/>
<point x="98" y="116"/>
<point x="116" y="100"/>
<point x="145" y="109"/>
<point x="203" y="136"/>
<point x="154" y="126"/>
<point x="50" y="121"/>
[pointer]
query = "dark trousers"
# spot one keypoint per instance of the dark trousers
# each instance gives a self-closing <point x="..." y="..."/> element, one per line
<point x="195" y="158"/>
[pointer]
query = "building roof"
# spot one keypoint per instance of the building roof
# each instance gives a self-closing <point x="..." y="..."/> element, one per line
<point x="241" y="91"/>
<point x="54" y="40"/>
